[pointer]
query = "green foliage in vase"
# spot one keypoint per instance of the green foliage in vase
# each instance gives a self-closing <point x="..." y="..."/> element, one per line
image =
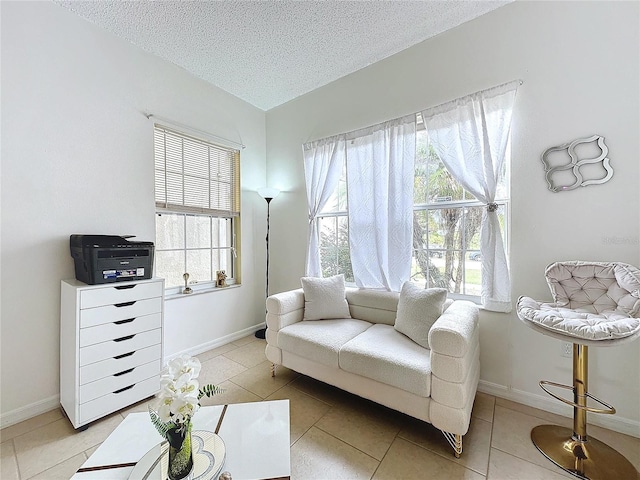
<point x="209" y="391"/>
<point x="161" y="427"/>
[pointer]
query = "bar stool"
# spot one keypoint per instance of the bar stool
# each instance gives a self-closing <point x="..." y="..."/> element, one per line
<point x="594" y="304"/>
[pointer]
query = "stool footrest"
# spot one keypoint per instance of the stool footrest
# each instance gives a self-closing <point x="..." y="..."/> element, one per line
<point x="610" y="410"/>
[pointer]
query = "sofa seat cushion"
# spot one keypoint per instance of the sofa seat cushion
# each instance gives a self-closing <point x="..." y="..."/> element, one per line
<point x="382" y="353"/>
<point x="320" y="340"/>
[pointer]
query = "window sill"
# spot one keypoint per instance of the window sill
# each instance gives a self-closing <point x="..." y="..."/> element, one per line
<point x="173" y="296"/>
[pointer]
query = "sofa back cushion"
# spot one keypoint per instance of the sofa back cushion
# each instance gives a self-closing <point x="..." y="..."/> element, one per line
<point x="375" y="306"/>
<point x="324" y="298"/>
<point x="418" y="310"/>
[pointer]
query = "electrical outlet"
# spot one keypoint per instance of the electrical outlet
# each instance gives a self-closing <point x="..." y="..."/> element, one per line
<point x="567" y="349"/>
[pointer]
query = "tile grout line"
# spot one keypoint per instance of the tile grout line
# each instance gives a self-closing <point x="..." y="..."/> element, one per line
<point x="493" y="424"/>
<point x="36" y="428"/>
<point x="551" y="465"/>
<point x="311" y="396"/>
<point x="345" y="442"/>
<point x="441" y="455"/>
<point x="531" y="463"/>
<point x="15" y="454"/>
<point x="535" y="414"/>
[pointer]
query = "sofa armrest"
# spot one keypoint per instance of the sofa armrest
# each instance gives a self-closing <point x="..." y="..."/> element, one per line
<point x="454" y="340"/>
<point x="454" y="333"/>
<point x="285" y="309"/>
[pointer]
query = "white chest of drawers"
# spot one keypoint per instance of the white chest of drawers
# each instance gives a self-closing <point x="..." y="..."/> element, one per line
<point x="110" y="346"/>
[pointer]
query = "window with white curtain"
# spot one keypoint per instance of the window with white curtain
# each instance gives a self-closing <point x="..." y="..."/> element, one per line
<point x="446" y="226"/>
<point x="333" y="228"/>
<point x="197" y="194"/>
<point x="427" y="199"/>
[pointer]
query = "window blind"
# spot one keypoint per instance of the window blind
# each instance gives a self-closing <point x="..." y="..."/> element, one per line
<point x="195" y="176"/>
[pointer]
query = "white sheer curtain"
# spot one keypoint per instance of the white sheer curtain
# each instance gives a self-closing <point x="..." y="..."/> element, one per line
<point x="471" y="135"/>
<point x="380" y="163"/>
<point x="323" y="162"/>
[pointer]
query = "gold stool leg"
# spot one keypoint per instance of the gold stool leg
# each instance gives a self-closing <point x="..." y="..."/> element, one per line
<point x="574" y="452"/>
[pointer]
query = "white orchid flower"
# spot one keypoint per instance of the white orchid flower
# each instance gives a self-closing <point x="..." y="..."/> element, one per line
<point x="178" y="399"/>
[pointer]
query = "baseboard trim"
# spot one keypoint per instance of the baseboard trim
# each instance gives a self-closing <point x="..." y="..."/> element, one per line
<point x="29" y="411"/>
<point x="544" y="402"/>
<point x="37" y="408"/>
<point x="218" y="342"/>
<point x="615" y="422"/>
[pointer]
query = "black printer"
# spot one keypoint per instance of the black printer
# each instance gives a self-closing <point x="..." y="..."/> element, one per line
<point x="110" y="258"/>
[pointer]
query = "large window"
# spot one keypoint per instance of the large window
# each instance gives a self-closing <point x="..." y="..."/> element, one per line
<point x="446" y="226"/>
<point x="334" y="233"/>
<point x="197" y="192"/>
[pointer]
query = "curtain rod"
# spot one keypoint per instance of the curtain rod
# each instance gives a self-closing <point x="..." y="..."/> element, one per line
<point x="520" y="82"/>
<point x="195" y="131"/>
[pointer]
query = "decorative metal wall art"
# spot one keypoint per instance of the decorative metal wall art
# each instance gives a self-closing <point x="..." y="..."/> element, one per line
<point x="575" y="168"/>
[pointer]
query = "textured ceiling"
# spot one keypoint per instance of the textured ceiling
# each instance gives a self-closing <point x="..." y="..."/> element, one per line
<point x="269" y="52"/>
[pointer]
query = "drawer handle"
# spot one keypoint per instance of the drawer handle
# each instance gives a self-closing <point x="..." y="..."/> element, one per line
<point x="121" y="339"/>
<point x="128" y="320"/>
<point x="124" y="389"/>
<point x="124" y="355"/>
<point x="124" y="304"/>
<point x="124" y="287"/>
<point x="124" y="372"/>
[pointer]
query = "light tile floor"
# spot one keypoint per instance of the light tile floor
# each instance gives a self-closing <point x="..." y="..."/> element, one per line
<point x="334" y="435"/>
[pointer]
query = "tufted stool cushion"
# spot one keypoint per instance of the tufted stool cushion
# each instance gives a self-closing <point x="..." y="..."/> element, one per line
<point x="592" y="301"/>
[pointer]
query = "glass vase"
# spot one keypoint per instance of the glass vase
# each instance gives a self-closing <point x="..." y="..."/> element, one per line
<point x="180" y="452"/>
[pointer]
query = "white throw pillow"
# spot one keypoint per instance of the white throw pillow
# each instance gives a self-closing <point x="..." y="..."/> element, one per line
<point x="418" y="310"/>
<point x="324" y="298"/>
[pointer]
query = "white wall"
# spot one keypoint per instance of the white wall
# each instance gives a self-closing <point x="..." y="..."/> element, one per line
<point x="77" y="157"/>
<point x="580" y="65"/>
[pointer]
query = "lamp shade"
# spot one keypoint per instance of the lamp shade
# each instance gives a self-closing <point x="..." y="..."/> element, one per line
<point x="268" y="193"/>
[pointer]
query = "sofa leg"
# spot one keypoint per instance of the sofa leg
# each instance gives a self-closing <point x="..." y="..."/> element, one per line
<point x="455" y="440"/>
<point x="273" y="369"/>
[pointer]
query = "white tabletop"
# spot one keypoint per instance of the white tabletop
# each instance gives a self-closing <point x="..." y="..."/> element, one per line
<point x="256" y="437"/>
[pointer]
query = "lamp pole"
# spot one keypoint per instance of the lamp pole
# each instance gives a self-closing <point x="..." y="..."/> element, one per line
<point x="268" y="194"/>
<point x="267" y="240"/>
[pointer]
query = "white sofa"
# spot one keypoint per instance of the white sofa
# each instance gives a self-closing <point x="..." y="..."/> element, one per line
<point x="367" y="356"/>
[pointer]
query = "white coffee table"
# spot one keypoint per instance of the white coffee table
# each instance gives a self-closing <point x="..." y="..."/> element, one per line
<point x="256" y="437"/>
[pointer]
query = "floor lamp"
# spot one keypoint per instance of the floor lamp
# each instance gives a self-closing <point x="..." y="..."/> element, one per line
<point x="268" y="194"/>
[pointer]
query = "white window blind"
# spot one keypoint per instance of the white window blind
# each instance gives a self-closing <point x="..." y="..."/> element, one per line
<point x="195" y="176"/>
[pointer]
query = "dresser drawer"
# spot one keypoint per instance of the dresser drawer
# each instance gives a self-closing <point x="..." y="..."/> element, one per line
<point x="115" y="401"/>
<point x="113" y="348"/>
<point x="107" y="385"/>
<point x="119" y="329"/>
<point x="106" y="368"/>
<point x="121" y="311"/>
<point x="113" y="294"/>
